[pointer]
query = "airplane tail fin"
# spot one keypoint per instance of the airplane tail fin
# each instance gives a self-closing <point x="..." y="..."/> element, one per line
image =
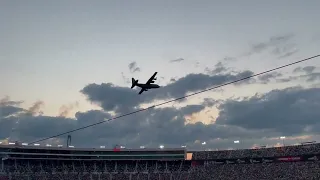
<point x="134" y="83"/>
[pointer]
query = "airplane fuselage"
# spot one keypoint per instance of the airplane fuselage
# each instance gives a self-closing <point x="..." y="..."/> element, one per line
<point x="148" y="86"/>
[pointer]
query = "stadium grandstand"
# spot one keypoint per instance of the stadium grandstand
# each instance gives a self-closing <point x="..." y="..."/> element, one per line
<point x="21" y="162"/>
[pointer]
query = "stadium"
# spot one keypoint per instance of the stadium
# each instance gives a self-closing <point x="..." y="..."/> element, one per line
<point x="53" y="163"/>
<point x="159" y="90"/>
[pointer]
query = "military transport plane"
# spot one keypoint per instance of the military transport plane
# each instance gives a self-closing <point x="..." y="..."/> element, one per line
<point x="147" y="85"/>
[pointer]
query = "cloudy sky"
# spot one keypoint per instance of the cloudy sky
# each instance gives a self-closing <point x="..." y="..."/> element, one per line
<point x="67" y="64"/>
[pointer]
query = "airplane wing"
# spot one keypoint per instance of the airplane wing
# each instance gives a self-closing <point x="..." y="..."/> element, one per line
<point x="151" y="78"/>
<point x="141" y="91"/>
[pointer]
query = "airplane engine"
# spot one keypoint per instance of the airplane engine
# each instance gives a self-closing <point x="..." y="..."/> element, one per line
<point x="154" y="78"/>
<point x="151" y="81"/>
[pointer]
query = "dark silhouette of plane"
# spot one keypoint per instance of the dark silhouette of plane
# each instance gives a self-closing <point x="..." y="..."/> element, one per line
<point x="147" y="85"/>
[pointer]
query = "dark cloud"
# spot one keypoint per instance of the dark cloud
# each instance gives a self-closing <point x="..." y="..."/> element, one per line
<point x="9" y="108"/>
<point x="6" y="111"/>
<point x="123" y="100"/>
<point x="266" y="78"/>
<point x="307" y="74"/>
<point x="189" y="109"/>
<point x="177" y="60"/>
<point x="306" y="69"/>
<point x="172" y="80"/>
<point x="291" y="111"/>
<point x="152" y="127"/>
<point x="219" y="68"/>
<point x="312" y="77"/>
<point x="133" y="67"/>
<point x="7" y="102"/>
<point x="287" y="111"/>
<point x="209" y="102"/>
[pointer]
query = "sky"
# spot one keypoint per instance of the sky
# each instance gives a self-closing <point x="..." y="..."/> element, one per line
<point x="67" y="64"/>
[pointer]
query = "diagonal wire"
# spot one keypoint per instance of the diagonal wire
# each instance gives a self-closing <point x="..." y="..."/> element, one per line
<point x="183" y="97"/>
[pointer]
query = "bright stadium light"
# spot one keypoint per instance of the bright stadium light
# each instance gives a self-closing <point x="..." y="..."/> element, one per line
<point x="71" y="146"/>
<point x="48" y="145"/>
<point x="11" y="143"/>
<point x="36" y="144"/>
<point x="204" y="143"/>
<point x="142" y="147"/>
<point x="24" y="144"/>
<point x="236" y="142"/>
<point x="282" y="138"/>
<point x="60" y="145"/>
<point x="102" y="146"/>
<point x="161" y="146"/>
<point x="183" y="146"/>
<point x="122" y="147"/>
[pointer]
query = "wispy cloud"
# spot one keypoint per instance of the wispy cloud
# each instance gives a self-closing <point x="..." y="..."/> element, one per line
<point x="177" y="60"/>
<point x="280" y="46"/>
<point x="133" y="67"/>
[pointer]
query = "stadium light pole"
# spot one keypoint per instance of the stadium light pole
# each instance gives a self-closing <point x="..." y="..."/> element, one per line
<point x="236" y="142"/>
<point x="283" y="138"/>
<point x="203" y="145"/>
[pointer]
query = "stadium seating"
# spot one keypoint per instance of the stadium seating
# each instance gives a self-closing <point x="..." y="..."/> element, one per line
<point x="210" y="165"/>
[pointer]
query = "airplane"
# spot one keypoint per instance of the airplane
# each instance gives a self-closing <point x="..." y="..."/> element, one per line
<point x="147" y="85"/>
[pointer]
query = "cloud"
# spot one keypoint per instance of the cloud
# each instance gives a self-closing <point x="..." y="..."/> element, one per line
<point x="125" y="79"/>
<point x="266" y="78"/>
<point x="228" y="59"/>
<point x="123" y="99"/>
<point x="133" y="67"/>
<point x="9" y="108"/>
<point x="307" y="74"/>
<point x="219" y="68"/>
<point x="35" y="108"/>
<point x="288" y="111"/>
<point x="7" y="102"/>
<point x="6" y="111"/>
<point x="254" y="120"/>
<point x="197" y="64"/>
<point x="312" y="77"/>
<point x="290" y="53"/>
<point x="113" y="132"/>
<point x="285" y="50"/>
<point x="172" y="80"/>
<point x="65" y="110"/>
<point x="177" y="60"/>
<point x="280" y="46"/>
<point x="306" y="69"/>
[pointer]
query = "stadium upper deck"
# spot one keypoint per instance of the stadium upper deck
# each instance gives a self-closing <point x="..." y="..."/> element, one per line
<point x="31" y="152"/>
<point x="38" y="152"/>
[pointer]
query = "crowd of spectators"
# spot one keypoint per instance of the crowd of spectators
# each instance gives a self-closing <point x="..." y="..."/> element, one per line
<point x="259" y="152"/>
<point x="206" y="168"/>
